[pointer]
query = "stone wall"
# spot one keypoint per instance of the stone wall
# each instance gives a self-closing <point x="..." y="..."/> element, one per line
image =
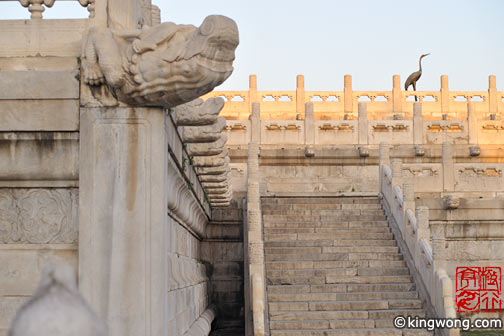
<point x="39" y="172"/>
<point x="223" y="249"/>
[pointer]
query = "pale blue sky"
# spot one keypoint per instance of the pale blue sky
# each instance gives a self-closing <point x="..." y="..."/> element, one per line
<point x="326" y="39"/>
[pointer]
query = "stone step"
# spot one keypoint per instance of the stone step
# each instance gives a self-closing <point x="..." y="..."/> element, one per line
<point x="287" y="235"/>
<point x="331" y="242"/>
<point x="369" y="279"/>
<point x="337" y="225"/>
<point x="305" y="297"/>
<point x="392" y="313"/>
<point x="333" y="256"/>
<point x="321" y="200"/>
<point x="321" y="206"/>
<point x="344" y="234"/>
<point x="336" y="279"/>
<point x="331" y="249"/>
<point x="340" y="288"/>
<point x="320" y="324"/>
<point x="339" y="332"/>
<point x="358" y="304"/>
<point x="286" y="265"/>
<point x="318" y="315"/>
<point x="269" y="213"/>
<point x="308" y="325"/>
<point x="322" y="228"/>
<point x="334" y="217"/>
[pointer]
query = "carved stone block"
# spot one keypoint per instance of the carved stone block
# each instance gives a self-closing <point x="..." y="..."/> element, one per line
<point x="38" y="216"/>
<point x="199" y="112"/>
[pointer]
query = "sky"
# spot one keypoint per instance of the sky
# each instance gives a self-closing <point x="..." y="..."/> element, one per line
<point x="326" y="39"/>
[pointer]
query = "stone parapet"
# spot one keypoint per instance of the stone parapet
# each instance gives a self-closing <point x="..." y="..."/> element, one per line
<point x="381" y="105"/>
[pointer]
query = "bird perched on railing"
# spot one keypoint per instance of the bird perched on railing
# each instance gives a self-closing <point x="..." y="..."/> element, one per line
<point x="415" y="76"/>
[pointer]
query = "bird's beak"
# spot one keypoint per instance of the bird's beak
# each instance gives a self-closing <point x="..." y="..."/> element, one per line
<point x="427" y="54"/>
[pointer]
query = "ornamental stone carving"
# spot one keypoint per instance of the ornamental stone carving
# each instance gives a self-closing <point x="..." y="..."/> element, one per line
<point x="207" y="148"/>
<point x="208" y="133"/>
<point x="38" y="216"/>
<point x="161" y="66"/>
<point x="199" y="112"/>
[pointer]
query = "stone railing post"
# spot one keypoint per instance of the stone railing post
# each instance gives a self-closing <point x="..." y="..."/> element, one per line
<point x="396" y="94"/>
<point x="423" y="231"/>
<point x="472" y="123"/>
<point x="418" y="128"/>
<point x="438" y="246"/>
<point x="348" y="96"/>
<point x="409" y="196"/>
<point x="448" y="167"/>
<point x="383" y="159"/>
<point x="255" y="123"/>
<point x="422" y="216"/>
<point x="309" y="124"/>
<point x="363" y="124"/>
<point x="445" y="95"/>
<point x="492" y="94"/>
<point x="396" y="172"/>
<point x="300" y="95"/>
<point x="252" y="91"/>
<point x="255" y="242"/>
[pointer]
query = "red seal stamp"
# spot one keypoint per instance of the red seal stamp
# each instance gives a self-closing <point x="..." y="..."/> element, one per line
<point x="478" y="289"/>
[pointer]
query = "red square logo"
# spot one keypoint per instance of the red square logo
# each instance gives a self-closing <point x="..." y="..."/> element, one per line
<point x="478" y="289"/>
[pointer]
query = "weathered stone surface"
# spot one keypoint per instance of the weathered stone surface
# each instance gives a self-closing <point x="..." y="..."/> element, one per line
<point x="39" y="85"/>
<point x="38" y="216"/>
<point x="199" y="112"/>
<point x="39" y="115"/>
<point x="208" y="133"/>
<point x="207" y="148"/>
<point x="39" y="159"/>
<point x="156" y="60"/>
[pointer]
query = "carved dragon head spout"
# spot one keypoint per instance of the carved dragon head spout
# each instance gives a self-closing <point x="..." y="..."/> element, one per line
<point x="163" y="66"/>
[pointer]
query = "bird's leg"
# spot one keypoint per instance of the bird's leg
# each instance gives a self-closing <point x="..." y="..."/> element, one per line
<point x="414" y="89"/>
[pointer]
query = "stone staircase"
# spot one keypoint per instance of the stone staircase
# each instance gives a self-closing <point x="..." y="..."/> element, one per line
<point x="334" y="268"/>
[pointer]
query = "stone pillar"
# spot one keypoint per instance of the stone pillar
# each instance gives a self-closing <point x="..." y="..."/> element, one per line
<point x="124" y="14"/>
<point x="252" y="91"/>
<point x="396" y="94"/>
<point x="422" y="216"/>
<point x="363" y="124"/>
<point x="445" y="95"/>
<point x="383" y="159"/>
<point x="472" y="122"/>
<point x="309" y="124"/>
<point x="417" y="123"/>
<point x="396" y="172"/>
<point x="409" y="195"/>
<point x="255" y="242"/>
<point x="348" y="96"/>
<point x="448" y="167"/>
<point x="255" y="121"/>
<point x="122" y="218"/>
<point x="300" y="95"/>
<point x="438" y="246"/>
<point x="493" y="99"/>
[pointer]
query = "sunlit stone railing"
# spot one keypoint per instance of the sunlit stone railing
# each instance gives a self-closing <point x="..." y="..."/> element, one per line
<point x="37" y="7"/>
<point x="428" y="258"/>
<point x="381" y="105"/>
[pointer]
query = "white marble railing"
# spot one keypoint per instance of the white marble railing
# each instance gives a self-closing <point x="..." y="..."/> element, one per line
<point x="37" y="7"/>
<point x="428" y="259"/>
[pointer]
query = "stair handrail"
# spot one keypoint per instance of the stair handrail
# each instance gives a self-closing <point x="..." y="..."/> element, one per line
<point x="429" y="260"/>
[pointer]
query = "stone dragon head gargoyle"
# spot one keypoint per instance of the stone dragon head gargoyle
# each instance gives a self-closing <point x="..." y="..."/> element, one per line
<point x="162" y="66"/>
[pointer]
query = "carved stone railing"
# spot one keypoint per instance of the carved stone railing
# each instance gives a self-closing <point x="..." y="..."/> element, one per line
<point x="427" y="260"/>
<point x="364" y="128"/>
<point x="255" y="286"/>
<point x="382" y="105"/>
<point x="37" y="7"/>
